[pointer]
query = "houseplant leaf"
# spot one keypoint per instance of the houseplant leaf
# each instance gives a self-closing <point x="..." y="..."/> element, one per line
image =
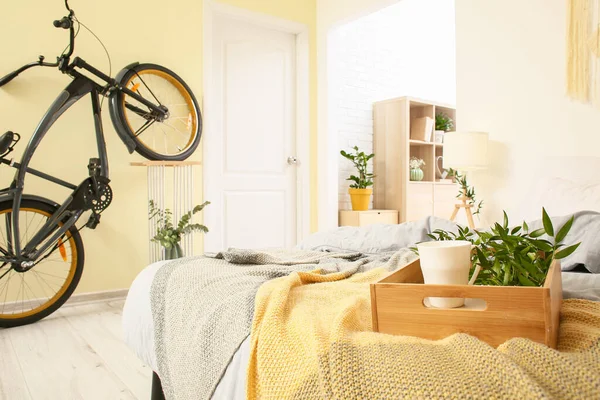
<point x="567" y="251"/>
<point x="525" y="281"/>
<point x="537" y="233"/>
<point x="543" y="245"/>
<point x="547" y="223"/>
<point x="562" y="233"/>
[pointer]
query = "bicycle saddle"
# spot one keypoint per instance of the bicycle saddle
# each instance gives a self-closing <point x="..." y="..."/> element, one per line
<point x="6" y="142"/>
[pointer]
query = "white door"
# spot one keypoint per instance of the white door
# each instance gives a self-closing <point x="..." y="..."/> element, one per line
<point x="250" y="175"/>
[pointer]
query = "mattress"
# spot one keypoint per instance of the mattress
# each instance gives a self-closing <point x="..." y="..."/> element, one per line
<point x="138" y="330"/>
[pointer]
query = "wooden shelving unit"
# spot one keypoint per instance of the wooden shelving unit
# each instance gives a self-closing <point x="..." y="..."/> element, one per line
<point x="393" y="148"/>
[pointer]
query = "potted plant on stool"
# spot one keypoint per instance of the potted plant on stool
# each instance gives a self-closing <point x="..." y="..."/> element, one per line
<point x="360" y="193"/>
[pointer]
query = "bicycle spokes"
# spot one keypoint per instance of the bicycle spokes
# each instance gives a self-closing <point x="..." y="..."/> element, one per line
<point x="25" y="292"/>
<point x="171" y="135"/>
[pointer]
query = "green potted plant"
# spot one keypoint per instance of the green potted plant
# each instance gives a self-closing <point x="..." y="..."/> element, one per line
<point x="513" y="256"/>
<point x="169" y="235"/>
<point x="443" y="124"/>
<point x="360" y="192"/>
<point x="416" y="173"/>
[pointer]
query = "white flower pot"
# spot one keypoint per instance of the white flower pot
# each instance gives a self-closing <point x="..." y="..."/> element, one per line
<point x="439" y="136"/>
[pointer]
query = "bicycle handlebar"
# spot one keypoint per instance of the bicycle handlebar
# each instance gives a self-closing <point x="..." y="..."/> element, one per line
<point x="67" y="23"/>
<point x="8" y="78"/>
<point x="62" y="61"/>
<point x="40" y="63"/>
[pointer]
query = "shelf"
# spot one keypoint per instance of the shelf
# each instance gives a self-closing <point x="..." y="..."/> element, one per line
<point x="423" y="182"/>
<point x="394" y="147"/>
<point x="164" y="163"/>
<point x="420" y="143"/>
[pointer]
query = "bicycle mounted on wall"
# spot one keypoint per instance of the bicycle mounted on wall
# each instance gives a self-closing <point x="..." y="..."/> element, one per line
<point x="153" y="111"/>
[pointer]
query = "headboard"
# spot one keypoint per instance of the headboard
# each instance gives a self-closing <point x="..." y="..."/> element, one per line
<point x="564" y="185"/>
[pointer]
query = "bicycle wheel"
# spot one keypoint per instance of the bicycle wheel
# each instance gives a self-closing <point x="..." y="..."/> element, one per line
<point x="27" y="297"/>
<point x="174" y="138"/>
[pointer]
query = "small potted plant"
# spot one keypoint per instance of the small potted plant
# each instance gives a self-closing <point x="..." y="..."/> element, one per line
<point x="443" y="124"/>
<point x="360" y="192"/>
<point x="416" y="173"/>
<point x="513" y="256"/>
<point x="169" y="235"/>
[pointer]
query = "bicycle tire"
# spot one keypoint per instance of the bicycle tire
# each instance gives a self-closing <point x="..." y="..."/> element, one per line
<point x="65" y="291"/>
<point x="134" y="79"/>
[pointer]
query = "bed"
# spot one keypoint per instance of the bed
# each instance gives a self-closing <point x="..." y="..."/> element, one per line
<point x="139" y="329"/>
<point x="578" y="282"/>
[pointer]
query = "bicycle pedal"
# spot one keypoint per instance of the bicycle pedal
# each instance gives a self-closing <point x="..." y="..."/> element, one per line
<point x="93" y="221"/>
<point x="94" y="167"/>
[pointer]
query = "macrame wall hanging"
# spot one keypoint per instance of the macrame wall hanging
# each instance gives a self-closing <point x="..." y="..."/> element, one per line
<point x="583" y="51"/>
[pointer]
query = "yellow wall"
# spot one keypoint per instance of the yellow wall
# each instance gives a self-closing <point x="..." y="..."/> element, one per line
<point x="511" y="80"/>
<point x="147" y="31"/>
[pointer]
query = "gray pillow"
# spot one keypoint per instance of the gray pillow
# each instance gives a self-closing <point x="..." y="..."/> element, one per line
<point x="375" y="238"/>
<point x="586" y="229"/>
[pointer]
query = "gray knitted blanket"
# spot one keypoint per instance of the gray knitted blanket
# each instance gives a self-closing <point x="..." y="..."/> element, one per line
<point x="203" y="308"/>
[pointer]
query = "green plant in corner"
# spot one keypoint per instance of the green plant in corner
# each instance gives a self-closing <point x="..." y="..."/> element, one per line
<point x="169" y="235"/>
<point x="443" y="122"/>
<point x="360" y="161"/>
<point x="466" y="191"/>
<point x="514" y="256"/>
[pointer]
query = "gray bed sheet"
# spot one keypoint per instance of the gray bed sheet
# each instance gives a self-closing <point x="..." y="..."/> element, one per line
<point x="580" y="285"/>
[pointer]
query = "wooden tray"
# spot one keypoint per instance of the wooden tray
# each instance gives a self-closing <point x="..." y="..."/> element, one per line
<point x="493" y="314"/>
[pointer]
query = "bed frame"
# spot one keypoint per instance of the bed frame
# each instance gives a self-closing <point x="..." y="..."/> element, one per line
<point x="157" y="390"/>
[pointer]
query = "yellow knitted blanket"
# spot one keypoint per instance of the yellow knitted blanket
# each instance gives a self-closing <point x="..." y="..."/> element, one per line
<point x="315" y="341"/>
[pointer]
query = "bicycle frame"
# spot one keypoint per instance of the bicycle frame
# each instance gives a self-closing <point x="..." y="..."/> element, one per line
<point x="51" y="232"/>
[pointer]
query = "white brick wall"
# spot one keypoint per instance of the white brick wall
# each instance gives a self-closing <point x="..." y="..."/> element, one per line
<point x="407" y="49"/>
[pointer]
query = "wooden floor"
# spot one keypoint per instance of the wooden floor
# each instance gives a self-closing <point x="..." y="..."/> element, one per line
<point x="76" y="353"/>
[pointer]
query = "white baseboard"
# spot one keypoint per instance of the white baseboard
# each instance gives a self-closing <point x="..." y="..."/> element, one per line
<point x="75" y="300"/>
<point x="107" y="295"/>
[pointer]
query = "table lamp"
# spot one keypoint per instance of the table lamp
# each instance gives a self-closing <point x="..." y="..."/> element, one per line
<point x="465" y="151"/>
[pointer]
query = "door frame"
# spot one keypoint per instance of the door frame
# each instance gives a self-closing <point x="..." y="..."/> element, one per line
<point x="211" y="158"/>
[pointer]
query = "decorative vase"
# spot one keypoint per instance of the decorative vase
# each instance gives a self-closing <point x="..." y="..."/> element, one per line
<point x="360" y="198"/>
<point x="440" y="172"/>
<point x="416" y="174"/>
<point x="174" y="252"/>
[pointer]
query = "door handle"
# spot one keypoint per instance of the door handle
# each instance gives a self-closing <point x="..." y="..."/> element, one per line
<point x="292" y="160"/>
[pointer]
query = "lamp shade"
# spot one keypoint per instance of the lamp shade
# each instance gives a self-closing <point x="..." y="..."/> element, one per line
<point x="465" y="151"/>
